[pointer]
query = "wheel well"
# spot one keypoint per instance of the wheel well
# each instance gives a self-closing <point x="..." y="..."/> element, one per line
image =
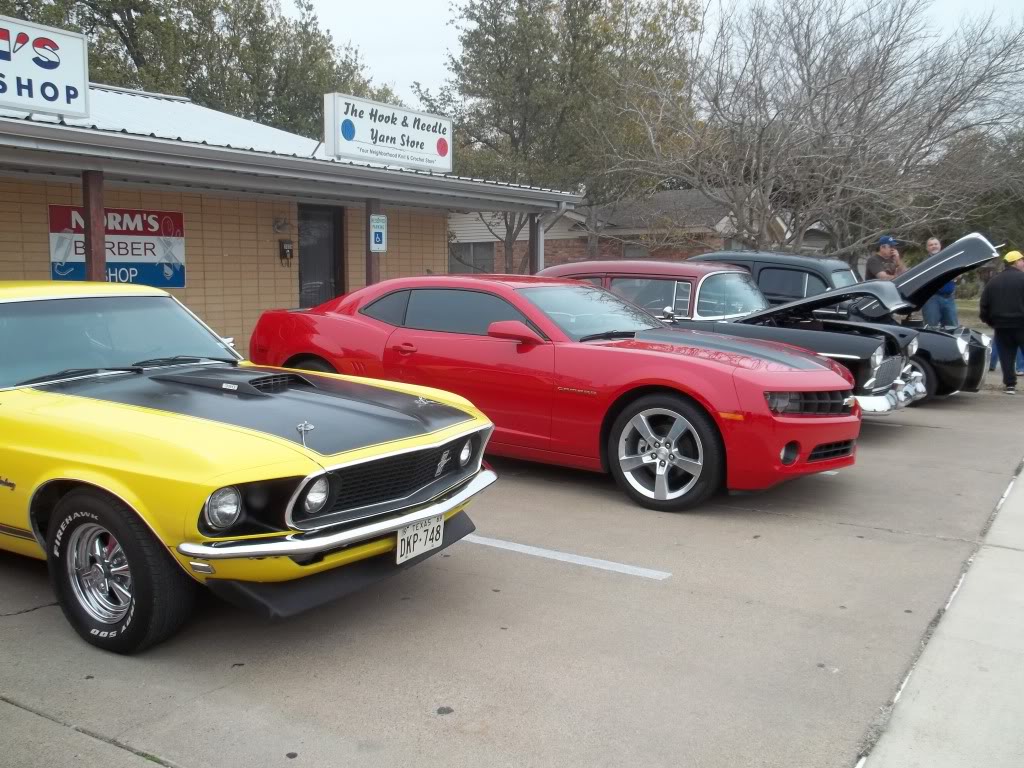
<point x="46" y="499"/>
<point x="635" y="394"/>
<point x="294" y="360"/>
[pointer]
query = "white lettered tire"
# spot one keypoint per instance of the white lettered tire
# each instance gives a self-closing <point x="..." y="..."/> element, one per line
<point x="117" y="585"/>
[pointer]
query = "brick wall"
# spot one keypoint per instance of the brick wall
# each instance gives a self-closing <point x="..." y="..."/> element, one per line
<point x="231" y="249"/>
<point x="417" y="241"/>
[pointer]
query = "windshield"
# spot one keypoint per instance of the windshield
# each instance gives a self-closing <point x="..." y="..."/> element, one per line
<point x="581" y="310"/>
<point x="729" y="294"/>
<point x="39" y="338"/>
<point x="842" y="278"/>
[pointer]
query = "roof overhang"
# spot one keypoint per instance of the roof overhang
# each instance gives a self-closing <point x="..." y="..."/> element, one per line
<point x="59" y="150"/>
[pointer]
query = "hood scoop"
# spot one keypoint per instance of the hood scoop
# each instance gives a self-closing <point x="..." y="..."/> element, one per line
<point x="236" y="382"/>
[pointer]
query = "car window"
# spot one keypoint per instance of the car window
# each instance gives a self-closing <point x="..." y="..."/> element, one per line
<point x="654" y="294"/>
<point x="580" y="310"/>
<point x="42" y="337"/>
<point x="813" y="285"/>
<point x="592" y="280"/>
<point x="782" y="282"/>
<point x="729" y="294"/>
<point x="451" y="310"/>
<point x="389" y="309"/>
<point x="844" y="277"/>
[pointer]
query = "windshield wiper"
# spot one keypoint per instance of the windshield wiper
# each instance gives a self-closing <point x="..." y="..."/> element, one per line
<point x="71" y="372"/>
<point x="609" y="335"/>
<point x="154" y="361"/>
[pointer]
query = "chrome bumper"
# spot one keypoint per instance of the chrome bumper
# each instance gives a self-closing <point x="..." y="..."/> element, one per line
<point x="908" y="388"/>
<point x="310" y="544"/>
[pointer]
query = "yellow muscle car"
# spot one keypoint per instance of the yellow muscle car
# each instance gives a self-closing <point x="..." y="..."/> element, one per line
<point x="139" y="455"/>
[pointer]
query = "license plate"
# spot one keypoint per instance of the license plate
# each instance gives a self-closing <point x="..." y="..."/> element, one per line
<point x="415" y="539"/>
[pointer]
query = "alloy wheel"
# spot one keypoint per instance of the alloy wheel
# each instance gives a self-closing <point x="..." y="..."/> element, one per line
<point x="660" y="454"/>
<point x="100" y="576"/>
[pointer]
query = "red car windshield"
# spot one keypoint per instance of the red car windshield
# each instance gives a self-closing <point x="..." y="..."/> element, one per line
<point x="582" y="310"/>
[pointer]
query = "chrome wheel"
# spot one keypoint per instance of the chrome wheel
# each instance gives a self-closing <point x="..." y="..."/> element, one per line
<point x="99" y="573"/>
<point x="660" y="454"/>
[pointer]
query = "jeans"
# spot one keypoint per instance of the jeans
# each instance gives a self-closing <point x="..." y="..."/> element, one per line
<point x="1009" y="341"/>
<point x="995" y="357"/>
<point x="940" y="312"/>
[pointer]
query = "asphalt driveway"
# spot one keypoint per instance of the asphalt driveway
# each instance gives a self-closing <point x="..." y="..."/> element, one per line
<point x="764" y="630"/>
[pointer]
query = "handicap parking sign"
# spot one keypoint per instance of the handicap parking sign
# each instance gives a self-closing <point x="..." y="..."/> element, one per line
<point x="378" y="233"/>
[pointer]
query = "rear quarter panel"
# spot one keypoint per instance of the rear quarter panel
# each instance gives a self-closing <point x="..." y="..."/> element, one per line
<point x="353" y="343"/>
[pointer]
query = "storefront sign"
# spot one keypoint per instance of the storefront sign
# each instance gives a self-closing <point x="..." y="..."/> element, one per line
<point x="378" y="233"/>
<point x="143" y="247"/>
<point x="43" y="69"/>
<point x="369" y="132"/>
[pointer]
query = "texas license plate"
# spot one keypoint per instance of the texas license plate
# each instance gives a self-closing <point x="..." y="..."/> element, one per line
<point x="420" y="537"/>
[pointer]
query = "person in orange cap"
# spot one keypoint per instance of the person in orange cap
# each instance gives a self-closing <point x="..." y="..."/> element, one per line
<point x="1002" y="308"/>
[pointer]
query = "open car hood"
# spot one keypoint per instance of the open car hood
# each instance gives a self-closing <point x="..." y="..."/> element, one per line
<point x="920" y="283"/>
<point x="880" y="293"/>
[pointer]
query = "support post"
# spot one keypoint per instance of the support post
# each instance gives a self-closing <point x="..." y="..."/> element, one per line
<point x="95" y="228"/>
<point x="536" y="244"/>
<point x="372" y="259"/>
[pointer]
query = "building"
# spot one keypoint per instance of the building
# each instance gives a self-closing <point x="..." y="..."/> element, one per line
<point x="669" y="225"/>
<point x="233" y="217"/>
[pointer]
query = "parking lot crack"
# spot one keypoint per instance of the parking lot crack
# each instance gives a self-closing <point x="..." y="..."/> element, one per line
<point x="90" y="733"/>
<point x="27" y="610"/>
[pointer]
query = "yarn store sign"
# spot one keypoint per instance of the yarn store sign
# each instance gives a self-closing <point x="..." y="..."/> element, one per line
<point x="142" y="247"/>
<point x="380" y="134"/>
<point x="43" y="69"/>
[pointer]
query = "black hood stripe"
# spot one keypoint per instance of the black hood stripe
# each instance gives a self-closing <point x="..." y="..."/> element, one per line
<point x="733" y="346"/>
<point x="344" y="415"/>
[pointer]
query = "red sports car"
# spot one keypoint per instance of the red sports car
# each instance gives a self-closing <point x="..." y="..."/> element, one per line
<point x="570" y="374"/>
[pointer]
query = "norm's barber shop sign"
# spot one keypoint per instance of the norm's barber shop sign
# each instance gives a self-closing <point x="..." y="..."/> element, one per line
<point x="43" y="69"/>
<point x="143" y="247"/>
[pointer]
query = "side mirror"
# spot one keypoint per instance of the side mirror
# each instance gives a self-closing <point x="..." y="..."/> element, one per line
<point x="514" y="330"/>
<point x="229" y="340"/>
<point x="668" y="314"/>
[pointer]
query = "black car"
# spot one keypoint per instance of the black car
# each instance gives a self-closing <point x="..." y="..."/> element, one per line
<point x="949" y="359"/>
<point x="721" y="298"/>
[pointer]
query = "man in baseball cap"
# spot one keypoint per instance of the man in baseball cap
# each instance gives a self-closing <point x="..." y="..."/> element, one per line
<point x="885" y="264"/>
<point x="1002" y="308"/>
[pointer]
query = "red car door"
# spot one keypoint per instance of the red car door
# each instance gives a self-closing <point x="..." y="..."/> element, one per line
<point x="444" y="344"/>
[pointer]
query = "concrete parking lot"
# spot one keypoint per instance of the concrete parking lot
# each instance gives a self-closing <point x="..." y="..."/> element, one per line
<point x="763" y="630"/>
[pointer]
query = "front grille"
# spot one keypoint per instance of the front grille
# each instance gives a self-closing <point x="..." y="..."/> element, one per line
<point x="275" y="383"/>
<point x="887" y="373"/>
<point x="827" y="451"/>
<point x="393" y="479"/>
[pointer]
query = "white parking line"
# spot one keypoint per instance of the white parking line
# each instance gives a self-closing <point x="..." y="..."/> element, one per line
<point x="566" y="557"/>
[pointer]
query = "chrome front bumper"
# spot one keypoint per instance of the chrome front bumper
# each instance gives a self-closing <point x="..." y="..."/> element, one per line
<point x="296" y="544"/>
<point x="908" y="388"/>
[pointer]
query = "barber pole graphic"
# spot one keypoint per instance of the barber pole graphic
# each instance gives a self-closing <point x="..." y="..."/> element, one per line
<point x="142" y="246"/>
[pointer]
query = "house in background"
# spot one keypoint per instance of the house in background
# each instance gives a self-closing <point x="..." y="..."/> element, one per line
<point x="669" y="225"/>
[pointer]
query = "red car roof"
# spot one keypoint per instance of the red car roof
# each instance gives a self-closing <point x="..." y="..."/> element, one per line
<point x="640" y="267"/>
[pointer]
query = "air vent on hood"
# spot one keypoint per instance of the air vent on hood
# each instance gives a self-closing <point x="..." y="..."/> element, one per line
<point x="277" y="383"/>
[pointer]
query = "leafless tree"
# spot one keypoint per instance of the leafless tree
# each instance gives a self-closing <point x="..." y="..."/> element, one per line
<point x="853" y="117"/>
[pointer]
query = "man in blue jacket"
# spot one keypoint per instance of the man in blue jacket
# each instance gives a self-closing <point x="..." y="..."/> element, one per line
<point x="940" y="310"/>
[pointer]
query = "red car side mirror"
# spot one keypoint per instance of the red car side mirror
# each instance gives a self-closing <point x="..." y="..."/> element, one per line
<point x="514" y="330"/>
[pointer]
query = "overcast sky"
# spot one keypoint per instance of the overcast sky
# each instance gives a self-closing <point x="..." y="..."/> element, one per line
<point x="407" y="40"/>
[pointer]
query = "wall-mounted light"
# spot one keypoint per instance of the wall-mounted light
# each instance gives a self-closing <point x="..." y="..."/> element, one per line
<point x="282" y="225"/>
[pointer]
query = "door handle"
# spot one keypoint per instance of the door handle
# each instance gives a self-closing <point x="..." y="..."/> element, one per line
<point x="405" y="348"/>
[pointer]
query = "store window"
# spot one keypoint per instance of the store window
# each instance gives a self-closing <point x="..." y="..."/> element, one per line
<point x="467" y="258"/>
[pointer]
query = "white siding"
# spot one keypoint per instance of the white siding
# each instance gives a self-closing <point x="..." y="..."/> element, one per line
<point x="468" y="228"/>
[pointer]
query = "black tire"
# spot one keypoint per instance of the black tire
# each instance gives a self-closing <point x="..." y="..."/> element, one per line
<point x="161" y="594"/>
<point x="317" y="364"/>
<point x="700" y="440"/>
<point x="930" y="380"/>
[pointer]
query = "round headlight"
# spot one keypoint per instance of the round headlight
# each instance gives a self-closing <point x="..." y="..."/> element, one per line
<point x="316" y="496"/>
<point x="912" y="347"/>
<point x="466" y="453"/>
<point x="877" y="356"/>
<point x="223" y="508"/>
<point x="962" y="345"/>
